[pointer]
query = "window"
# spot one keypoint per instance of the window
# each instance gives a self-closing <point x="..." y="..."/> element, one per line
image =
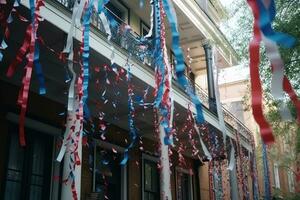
<point x="28" y="170"/>
<point x="118" y="11"/>
<point x="291" y="181"/>
<point x="184" y="185"/>
<point x="109" y="177"/>
<point x="276" y="176"/>
<point x="150" y="178"/>
<point x="144" y="29"/>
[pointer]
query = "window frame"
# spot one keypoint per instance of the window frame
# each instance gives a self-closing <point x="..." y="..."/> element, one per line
<point x="143" y="25"/>
<point x="148" y="158"/>
<point x="123" y="8"/>
<point x="276" y="176"/>
<point x="119" y="149"/>
<point x="191" y="181"/>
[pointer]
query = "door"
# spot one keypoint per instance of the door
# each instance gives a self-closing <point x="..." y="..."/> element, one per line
<point x="28" y="170"/>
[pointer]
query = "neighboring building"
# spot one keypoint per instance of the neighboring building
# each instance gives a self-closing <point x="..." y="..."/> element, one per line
<point x="234" y="92"/>
<point x="32" y="173"/>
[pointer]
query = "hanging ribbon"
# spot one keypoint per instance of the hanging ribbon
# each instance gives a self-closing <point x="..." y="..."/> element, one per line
<point x="204" y="148"/>
<point x="86" y="55"/>
<point x="266" y="17"/>
<point x="28" y="46"/>
<point x="132" y="129"/>
<point x="232" y="157"/>
<point x="180" y="67"/>
<point x="217" y="94"/>
<point x="149" y="35"/>
<point x="38" y="69"/>
<point x="256" y="88"/>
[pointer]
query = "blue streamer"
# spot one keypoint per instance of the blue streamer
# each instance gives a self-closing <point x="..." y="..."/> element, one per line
<point x="38" y="69"/>
<point x="36" y="62"/>
<point x="85" y="56"/>
<point x="180" y="67"/>
<point x="266" y="173"/>
<point x="267" y="16"/>
<point x="132" y="129"/>
<point x="158" y="55"/>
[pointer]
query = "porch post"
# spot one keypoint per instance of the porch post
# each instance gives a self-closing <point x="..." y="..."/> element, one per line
<point x="210" y="76"/>
<point x="67" y="190"/>
<point x="165" y="182"/>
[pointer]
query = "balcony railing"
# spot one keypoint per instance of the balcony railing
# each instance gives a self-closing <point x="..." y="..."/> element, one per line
<point x="141" y="51"/>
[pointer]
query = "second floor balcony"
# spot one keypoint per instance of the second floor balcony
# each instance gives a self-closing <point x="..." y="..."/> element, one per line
<point x="127" y="45"/>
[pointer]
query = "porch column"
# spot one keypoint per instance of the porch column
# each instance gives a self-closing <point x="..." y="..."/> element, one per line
<point x="69" y="158"/>
<point x="66" y="188"/>
<point x="210" y="76"/>
<point x="165" y="182"/>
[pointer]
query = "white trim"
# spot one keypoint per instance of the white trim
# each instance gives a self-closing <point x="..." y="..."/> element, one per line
<point x="276" y="176"/>
<point x="34" y="124"/>
<point x="120" y="150"/>
<point x="191" y="187"/>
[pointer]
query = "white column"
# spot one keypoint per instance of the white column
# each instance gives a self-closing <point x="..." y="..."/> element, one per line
<point x="66" y="190"/>
<point x="165" y="183"/>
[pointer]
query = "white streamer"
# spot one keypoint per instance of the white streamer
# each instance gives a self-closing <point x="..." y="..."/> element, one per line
<point x="204" y="148"/>
<point x="76" y="16"/>
<point x="277" y="76"/>
<point x="232" y="158"/>
<point x="105" y="23"/>
<point x="151" y="20"/>
<point x="217" y="95"/>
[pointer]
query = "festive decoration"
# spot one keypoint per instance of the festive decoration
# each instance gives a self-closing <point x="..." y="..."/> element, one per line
<point x="29" y="45"/>
<point x="264" y="14"/>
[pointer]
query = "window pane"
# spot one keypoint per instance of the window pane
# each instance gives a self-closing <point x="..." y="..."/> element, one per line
<point x="108" y="175"/>
<point x="148" y="178"/>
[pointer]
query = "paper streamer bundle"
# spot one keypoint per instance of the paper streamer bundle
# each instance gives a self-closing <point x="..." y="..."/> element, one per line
<point x="264" y="13"/>
<point x="30" y="48"/>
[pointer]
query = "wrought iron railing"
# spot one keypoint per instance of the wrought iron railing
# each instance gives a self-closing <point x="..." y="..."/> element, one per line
<point x="140" y="49"/>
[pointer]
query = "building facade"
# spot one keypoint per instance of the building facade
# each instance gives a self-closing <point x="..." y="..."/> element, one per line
<point x="32" y="172"/>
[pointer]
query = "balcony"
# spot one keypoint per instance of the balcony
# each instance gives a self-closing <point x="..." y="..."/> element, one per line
<point x="139" y="51"/>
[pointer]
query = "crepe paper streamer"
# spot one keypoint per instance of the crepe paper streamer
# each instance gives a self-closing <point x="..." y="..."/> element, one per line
<point x="38" y="69"/>
<point x="293" y="96"/>
<point x="149" y="35"/>
<point x="28" y="46"/>
<point x="204" y="148"/>
<point x="105" y="22"/>
<point x="180" y="67"/>
<point x="256" y="88"/>
<point x="217" y="94"/>
<point x="232" y="157"/>
<point x="132" y="128"/>
<point x="267" y="16"/>
<point x="277" y="75"/>
<point x="163" y="100"/>
<point x="76" y="15"/>
<point x="2" y="1"/>
<point x="86" y="54"/>
<point x="267" y="186"/>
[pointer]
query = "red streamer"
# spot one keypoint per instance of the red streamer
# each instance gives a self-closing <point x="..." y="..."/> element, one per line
<point x="256" y="88"/>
